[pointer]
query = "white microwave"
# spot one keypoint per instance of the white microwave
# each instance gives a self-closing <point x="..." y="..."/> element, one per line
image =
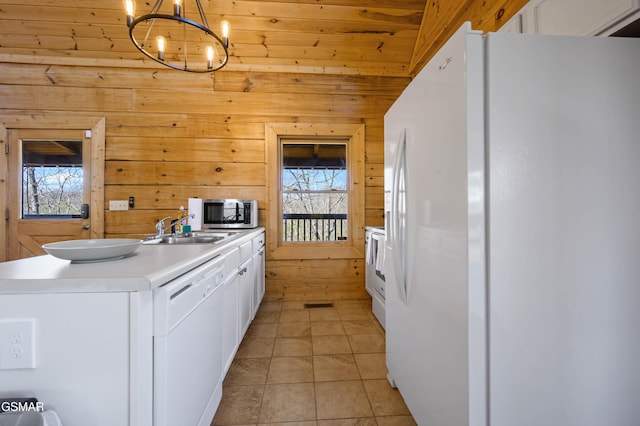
<point x="229" y="213"/>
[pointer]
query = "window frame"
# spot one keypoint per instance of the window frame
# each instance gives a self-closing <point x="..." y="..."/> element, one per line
<point x="84" y="165"/>
<point x="353" y="136"/>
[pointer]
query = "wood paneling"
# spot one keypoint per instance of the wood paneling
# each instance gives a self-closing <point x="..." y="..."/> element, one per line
<point x="187" y="149"/>
<point x="348" y="37"/>
<point x="316" y="279"/>
<point x="443" y="17"/>
<point x="168" y="148"/>
<point x="173" y="135"/>
<point x="158" y="197"/>
<point x="184" y="173"/>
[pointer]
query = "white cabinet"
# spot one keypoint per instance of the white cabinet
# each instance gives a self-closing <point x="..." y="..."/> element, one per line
<point x="242" y="294"/>
<point x="257" y="261"/>
<point x="251" y="282"/>
<point x="230" y="319"/>
<point x="85" y="370"/>
<point x="513" y="25"/>
<point x="573" y="17"/>
<point x="245" y="284"/>
<point x="132" y="351"/>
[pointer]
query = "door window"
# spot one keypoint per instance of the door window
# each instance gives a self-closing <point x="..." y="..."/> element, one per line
<point x="52" y="179"/>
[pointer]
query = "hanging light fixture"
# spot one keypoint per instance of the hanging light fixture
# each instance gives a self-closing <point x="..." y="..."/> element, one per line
<point x="176" y="41"/>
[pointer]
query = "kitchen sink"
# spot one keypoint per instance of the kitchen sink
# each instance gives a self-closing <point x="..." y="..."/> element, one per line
<point x="190" y="238"/>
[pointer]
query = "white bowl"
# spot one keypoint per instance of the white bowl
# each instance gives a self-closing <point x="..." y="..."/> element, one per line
<point x="97" y="250"/>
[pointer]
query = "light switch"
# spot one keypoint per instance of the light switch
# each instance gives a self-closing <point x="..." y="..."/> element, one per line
<point x="118" y="205"/>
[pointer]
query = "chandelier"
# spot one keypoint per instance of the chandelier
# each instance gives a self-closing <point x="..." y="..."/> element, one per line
<point x="176" y="41"/>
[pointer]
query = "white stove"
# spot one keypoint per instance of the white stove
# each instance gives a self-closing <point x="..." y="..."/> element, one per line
<point x="374" y="273"/>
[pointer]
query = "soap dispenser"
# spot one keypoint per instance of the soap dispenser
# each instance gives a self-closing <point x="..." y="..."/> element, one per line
<point x="182" y="220"/>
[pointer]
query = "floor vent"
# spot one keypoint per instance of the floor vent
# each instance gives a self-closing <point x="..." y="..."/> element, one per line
<point x="318" y="305"/>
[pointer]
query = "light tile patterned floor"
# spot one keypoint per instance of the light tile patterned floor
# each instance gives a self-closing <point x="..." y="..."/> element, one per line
<point x="311" y="367"/>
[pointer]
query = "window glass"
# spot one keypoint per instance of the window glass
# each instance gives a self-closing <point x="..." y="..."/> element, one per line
<point x="52" y="179"/>
<point x="314" y="191"/>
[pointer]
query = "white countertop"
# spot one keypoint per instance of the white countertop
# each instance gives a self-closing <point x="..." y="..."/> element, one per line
<point x="148" y="267"/>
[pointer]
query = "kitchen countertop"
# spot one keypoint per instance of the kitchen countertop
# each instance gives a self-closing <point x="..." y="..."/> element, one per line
<point x="150" y="266"/>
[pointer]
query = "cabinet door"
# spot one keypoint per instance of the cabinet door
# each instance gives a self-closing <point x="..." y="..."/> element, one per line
<point x="258" y="279"/>
<point x="230" y="324"/>
<point x="586" y="17"/>
<point x="246" y="274"/>
<point x="85" y="359"/>
<point x="513" y="25"/>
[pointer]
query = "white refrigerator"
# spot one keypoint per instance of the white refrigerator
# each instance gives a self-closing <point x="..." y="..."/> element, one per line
<point x="512" y="193"/>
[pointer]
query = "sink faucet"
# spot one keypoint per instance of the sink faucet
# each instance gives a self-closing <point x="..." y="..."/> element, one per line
<point x="161" y="228"/>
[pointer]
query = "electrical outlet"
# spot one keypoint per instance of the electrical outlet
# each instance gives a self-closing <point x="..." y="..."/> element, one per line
<point x="17" y="344"/>
<point x="119" y="205"/>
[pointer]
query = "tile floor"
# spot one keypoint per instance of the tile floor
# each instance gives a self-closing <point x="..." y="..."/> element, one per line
<point x="318" y="366"/>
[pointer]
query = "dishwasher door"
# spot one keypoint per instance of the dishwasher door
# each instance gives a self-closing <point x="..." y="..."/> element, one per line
<point x="187" y="364"/>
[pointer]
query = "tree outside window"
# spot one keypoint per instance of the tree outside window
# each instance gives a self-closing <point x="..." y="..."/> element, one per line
<point x="314" y="191"/>
<point x="52" y="179"/>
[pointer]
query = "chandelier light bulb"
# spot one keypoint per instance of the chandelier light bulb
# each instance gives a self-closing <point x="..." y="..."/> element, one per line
<point x="225" y="32"/>
<point x="162" y="44"/>
<point x="176" y="7"/>
<point x="130" y="8"/>
<point x="209" y="57"/>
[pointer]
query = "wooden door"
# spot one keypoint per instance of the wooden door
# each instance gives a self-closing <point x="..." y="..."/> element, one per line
<point x="49" y="188"/>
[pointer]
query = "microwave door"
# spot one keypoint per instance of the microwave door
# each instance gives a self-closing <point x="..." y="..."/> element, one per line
<point x="232" y="213"/>
<point x="214" y="213"/>
<point x="237" y="217"/>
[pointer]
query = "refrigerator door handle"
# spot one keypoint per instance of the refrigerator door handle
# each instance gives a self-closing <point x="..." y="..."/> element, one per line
<point x="398" y="218"/>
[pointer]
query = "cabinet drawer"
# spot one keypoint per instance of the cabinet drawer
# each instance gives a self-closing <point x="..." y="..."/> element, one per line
<point x="258" y="242"/>
<point x="231" y="261"/>
<point x="587" y="17"/>
<point x="245" y="251"/>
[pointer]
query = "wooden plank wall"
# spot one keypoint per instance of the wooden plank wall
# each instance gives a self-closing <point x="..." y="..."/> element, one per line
<point x="442" y="18"/>
<point x="173" y="135"/>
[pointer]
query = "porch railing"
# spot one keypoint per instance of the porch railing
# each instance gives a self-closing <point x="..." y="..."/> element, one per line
<point x="314" y="227"/>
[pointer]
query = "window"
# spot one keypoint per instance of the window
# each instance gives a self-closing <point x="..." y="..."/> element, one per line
<point x="52" y="179"/>
<point x="50" y="143"/>
<point x="316" y="190"/>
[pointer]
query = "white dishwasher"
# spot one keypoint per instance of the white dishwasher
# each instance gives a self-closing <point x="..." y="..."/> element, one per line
<point x="187" y="358"/>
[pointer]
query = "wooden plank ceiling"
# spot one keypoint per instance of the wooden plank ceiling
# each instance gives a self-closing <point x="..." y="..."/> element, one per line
<point x="392" y="38"/>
